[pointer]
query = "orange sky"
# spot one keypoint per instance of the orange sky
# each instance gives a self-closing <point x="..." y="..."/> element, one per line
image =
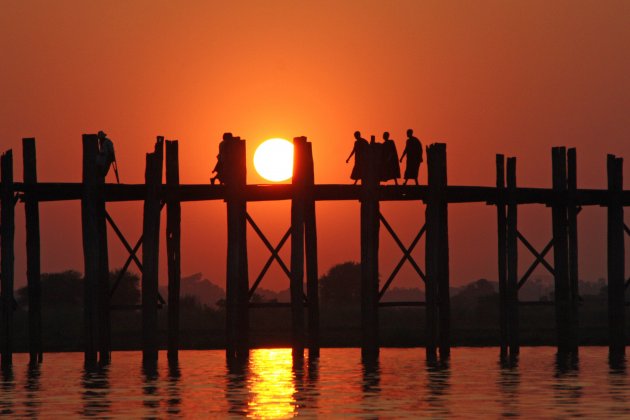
<point x="484" y="77"/>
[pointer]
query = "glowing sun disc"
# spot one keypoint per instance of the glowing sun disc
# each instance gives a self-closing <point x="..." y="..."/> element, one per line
<point x="273" y="159"/>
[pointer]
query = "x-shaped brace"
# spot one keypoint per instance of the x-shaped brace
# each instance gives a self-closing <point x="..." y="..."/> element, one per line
<point x="540" y="258"/>
<point x="274" y="256"/>
<point x="406" y="254"/>
<point x="132" y="255"/>
<point x="274" y="253"/>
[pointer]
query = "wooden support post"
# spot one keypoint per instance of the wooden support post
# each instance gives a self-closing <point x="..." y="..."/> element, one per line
<point x="561" y="249"/>
<point x="7" y="257"/>
<point x="616" y="263"/>
<point x="437" y="255"/>
<point x="91" y="253"/>
<point x="512" y="259"/>
<point x="572" y="212"/>
<point x="444" y="291"/>
<point x="173" y="249"/>
<point x="502" y="256"/>
<point x="103" y="286"/>
<point x="370" y="225"/>
<point x="33" y="259"/>
<point x="237" y="282"/>
<point x="150" y="253"/>
<point x="310" y="237"/>
<point x="442" y="273"/>
<point x="297" y="246"/>
<point x="432" y="257"/>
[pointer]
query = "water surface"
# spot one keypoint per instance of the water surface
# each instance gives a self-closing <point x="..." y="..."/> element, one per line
<point x="272" y="385"/>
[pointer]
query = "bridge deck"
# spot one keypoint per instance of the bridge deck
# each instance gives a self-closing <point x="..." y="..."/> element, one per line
<point x="49" y="191"/>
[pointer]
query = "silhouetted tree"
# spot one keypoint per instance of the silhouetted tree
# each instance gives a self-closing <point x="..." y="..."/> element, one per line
<point x="475" y="299"/>
<point x="66" y="289"/>
<point x="341" y="285"/>
<point x="58" y="289"/>
<point x="128" y="290"/>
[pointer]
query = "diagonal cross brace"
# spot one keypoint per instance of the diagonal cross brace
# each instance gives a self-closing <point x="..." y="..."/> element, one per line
<point x="132" y="254"/>
<point x="125" y="267"/>
<point x="540" y="258"/>
<point x="123" y="240"/>
<point x="274" y="254"/>
<point x="270" y="247"/>
<point x="406" y="254"/>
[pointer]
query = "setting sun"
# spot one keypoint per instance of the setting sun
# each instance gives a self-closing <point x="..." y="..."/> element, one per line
<point x="273" y="159"/>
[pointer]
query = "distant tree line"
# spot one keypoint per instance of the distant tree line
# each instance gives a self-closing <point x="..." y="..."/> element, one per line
<point x="474" y="310"/>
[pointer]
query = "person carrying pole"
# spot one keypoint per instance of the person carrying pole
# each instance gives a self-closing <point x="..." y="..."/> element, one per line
<point x="106" y="156"/>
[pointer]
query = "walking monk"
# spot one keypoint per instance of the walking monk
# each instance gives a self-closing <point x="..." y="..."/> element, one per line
<point x="413" y="151"/>
<point x="390" y="168"/>
<point x="360" y="153"/>
<point x="220" y="168"/>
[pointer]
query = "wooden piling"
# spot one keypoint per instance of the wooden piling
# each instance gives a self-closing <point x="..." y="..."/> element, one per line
<point x="310" y="238"/>
<point x="91" y="253"/>
<point x="512" y="259"/>
<point x="444" y="300"/>
<point x="103" y="287"/>
<point x="150" y="253"/>
<point x="33" y="258"/>
<point x="502" y="256"/>
<point x="616" y="263"/>
<point x="173" y="249"/>
<point x="297" y="245"/>
<point x="237" y="282"/>
<point x="572" y="231"/>
<point x="561" y="250"/>
<point x="432" y="256"/>
<point x="7" y="258"/>
<point x="437" y="255"/>
<point x="370" y="224"/>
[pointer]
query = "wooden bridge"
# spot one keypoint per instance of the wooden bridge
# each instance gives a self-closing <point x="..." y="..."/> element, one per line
<point x="564" y="199"/>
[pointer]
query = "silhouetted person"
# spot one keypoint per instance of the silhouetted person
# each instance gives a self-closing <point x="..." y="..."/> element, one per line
<point x="360" y="153"/>
<point x="220" y="167"/>
<point x="377" y="154"/>
<point x="106" y="155"/>
<point x="390" y="168"/>
<point x="413" y="151"/>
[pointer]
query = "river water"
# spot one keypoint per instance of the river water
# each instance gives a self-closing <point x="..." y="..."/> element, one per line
<point x="402" y="384"/>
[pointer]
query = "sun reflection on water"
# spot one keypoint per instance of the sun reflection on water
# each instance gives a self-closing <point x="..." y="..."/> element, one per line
<point x="271" y="384"/>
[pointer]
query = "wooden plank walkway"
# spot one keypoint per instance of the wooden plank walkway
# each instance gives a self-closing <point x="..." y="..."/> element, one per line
<point x="56" y="191"/>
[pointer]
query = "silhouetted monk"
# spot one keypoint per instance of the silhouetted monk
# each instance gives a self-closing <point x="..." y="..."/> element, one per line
<point x="390" y="168"/>
<point x="106" y="155"/>
<point x="220" y="168"/>
<point x="360" y="152"/>
<point x="413" y="151"/>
